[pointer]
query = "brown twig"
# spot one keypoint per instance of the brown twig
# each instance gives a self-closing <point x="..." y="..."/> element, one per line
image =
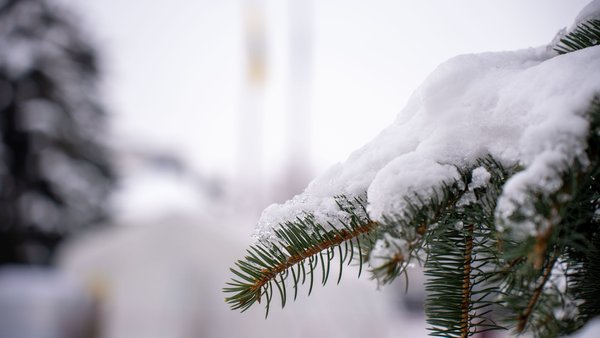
<point x="466" y="286"/>
<point x="524" y="317"/>
<point x="337" y="239"/>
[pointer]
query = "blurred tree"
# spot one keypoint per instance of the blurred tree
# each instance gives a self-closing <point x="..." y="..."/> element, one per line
<point x="54" y="171"/>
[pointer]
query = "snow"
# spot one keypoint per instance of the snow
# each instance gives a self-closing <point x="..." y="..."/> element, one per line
<point x="590" y="330"/>
<point x="387" y="247"/>
<point x="480" y="178"/>
<point x="523" y="107"/>
<point x="589" y="12"/>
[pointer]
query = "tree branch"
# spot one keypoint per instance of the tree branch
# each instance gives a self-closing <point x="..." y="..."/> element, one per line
<point x="524" y="317"/>
<point x="466" y="285"/>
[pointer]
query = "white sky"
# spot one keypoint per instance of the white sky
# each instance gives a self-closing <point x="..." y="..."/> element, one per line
<point x="175" y="71"/>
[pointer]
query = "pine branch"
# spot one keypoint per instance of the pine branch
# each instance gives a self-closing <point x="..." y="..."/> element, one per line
<point x="586" y="283"/>
<point x="413" y="226"/>
<point x="339" y="237"/>
<point x="585" y="35"/>
<point x="584" y="250"/>
<point x="466" y="286"/>
<point x="453" y="228"/>
<point x="462" y="260"/>
<point x="539" y="303"/>
<point x="299" y="248"/>
<point x="533" y="301"/>
<point x="458" y="295"/>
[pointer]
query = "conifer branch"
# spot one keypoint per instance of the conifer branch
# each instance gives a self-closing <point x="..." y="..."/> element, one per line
<point x="462" y="260"/>
<point x="415" y="226"/>
<point x="541" y="244"/>
<point x="466" y="286"/>
<point x="341" y="236"/>
<point x="585" y="35"/>
<point x="523" y="318"/>
<point x="298" y="249"/>
<point x="453" y="227"/>
<point x="586" y="285"/>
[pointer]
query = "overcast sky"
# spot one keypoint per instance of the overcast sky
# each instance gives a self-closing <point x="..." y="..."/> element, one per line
<point x="175" y="68"/>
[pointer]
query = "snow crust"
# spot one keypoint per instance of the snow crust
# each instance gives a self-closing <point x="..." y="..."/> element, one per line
<point x="590" y="330"/>
<point x="522" y="107"/>
<point x="385" y="248"/>
<point x="589" y="12"/>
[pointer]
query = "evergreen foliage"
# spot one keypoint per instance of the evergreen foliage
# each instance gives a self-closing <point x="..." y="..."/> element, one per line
<point x="298" y="249"/>
<point x="585" y="35"/>
<point x="462" y="257"/>
<point x="480" y="275"/>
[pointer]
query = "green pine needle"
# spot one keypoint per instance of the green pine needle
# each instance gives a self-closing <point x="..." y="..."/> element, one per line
<point x="585" y="35"/>
<point x="475" y="274"/>
<point x="461" y="259"/>
<point x="299" y="248"/>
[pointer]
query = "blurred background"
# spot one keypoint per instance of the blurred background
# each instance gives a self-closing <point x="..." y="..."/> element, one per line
<point x="140" y="141"/>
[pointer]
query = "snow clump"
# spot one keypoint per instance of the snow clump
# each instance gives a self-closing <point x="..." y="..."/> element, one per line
<point x="524" y="107"/>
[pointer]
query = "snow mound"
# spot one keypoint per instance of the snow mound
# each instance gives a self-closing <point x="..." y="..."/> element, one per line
<point x="524" y="107"/>
<point x="589" y="12"/>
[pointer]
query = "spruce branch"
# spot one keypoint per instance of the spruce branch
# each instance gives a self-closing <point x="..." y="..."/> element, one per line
<point x="560" y="251"/>
<point x="467" y="286"/>
<point x="583" y="246"/>
<point x="459" y="297"/>
<point x="462" y="261"/>
<point x="414" y="225"/>
<point x="523" y="318"/>
<point x="585" y="35"/>
<point x="585" y="281"/>
<point x="543" y="263"/>
<point x="299" y="248"/>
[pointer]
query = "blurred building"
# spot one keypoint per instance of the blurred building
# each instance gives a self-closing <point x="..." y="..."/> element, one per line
<point x="164" y="279"/>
